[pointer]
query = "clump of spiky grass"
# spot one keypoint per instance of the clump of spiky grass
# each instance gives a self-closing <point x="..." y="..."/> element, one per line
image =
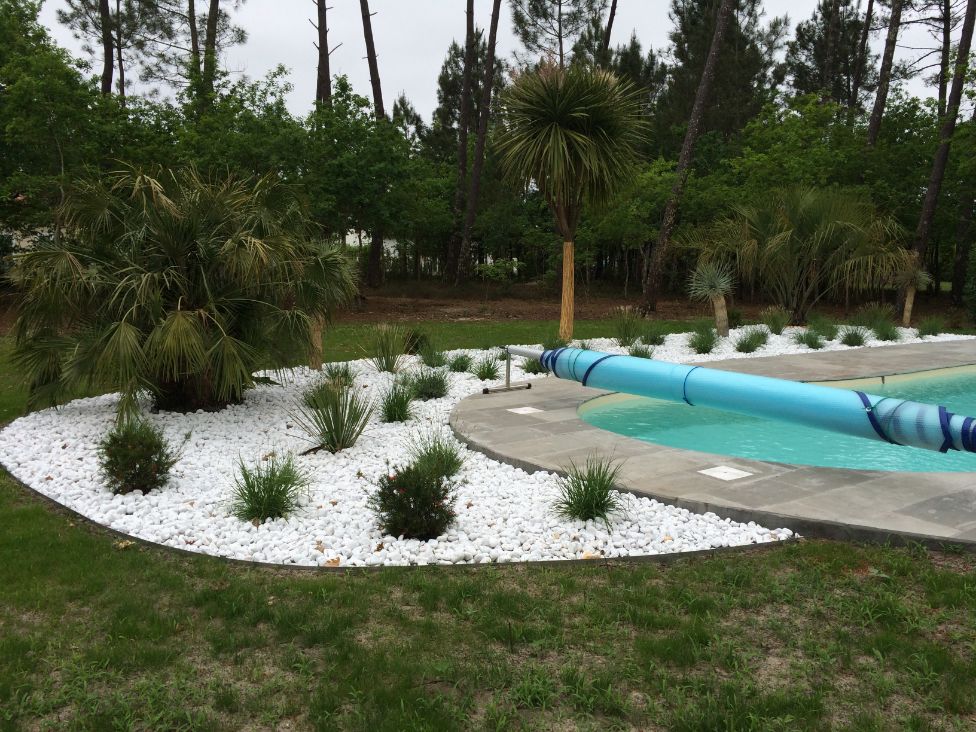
<point x="874" y="314"/>
<point x="810" y="339"/>
<point x="587" y="493"/>
<point x="752" y="340"/>
<point x="486" y="369"/>
<point x="626" y="326"/>
<point x="338" y="374"/>
<point x="584" y="345"/>
<point x="386" y="346"/>
<point x="395" y="405"/>
<point x="459" y="363"/>
<point x="415" y="341"/>
<point x="931" y="326"/>
<point x="854" y="335"/>
<point x="639" y="350"/>
<point x="775" y="318"/>
<point x="703" y="338"/>
<point x="886" y="331"/>
<point x="430" y="356"/>
<point x="333" y="418"/>
<point x="436" y="455"/>
<point x="552" y="342"/>
<point x="653" y="333"/>
<point x="270" y="490"/>
<point x="534" y="366"/>
<point x="823" y="326"/>
<point x="427" y="384"/>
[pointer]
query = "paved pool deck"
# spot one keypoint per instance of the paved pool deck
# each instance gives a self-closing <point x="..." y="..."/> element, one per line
<point x="933" y="508"/>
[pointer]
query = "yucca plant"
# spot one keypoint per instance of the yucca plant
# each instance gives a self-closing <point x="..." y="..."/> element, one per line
<point x="910" y="280"/>
<point x="627" y="326"/>
<point x="574" y="134"/>
<point x="338" y="374"/>
<point x="712" y="281"/>
<point x="268" y="491"/>
<point x="333" y="418"/>
<point x="587" y="493"/>
<point x="386" y="345"/>
<point x="175" y="283"/>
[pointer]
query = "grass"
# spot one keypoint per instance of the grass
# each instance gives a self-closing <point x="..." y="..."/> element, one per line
<point x="386" y="345"/>
<point x="587" y="492"/>
<point x="395" y="404"/>
<point x="639" y="350"/>
<point x="886" y="331"/>
<point x="854" y="335"/>
<point x="627" y="326"/>
<point x="460" y="363"/>
<point x="775" y="318"/>
<point x="486" y="369"/>
<point x="271" y="489"/>
<point x="332" y="417"/>
<point x="436" y="455"/>
<point x="823" y="326"/>
<point x="427" y="384"/>
<point x="100" y="634"/>
<point x="809" y="338"/>
<point x="752" y="340"/>
<point x="533" y="366"/>
<point x="931" y="326"/>
<point x="703" y="338"/>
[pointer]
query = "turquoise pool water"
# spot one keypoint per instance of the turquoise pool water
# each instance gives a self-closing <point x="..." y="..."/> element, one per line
<point x="709" y="430"/>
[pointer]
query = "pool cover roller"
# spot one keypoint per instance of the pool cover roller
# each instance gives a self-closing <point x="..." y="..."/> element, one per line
<point x="851" y="412"/>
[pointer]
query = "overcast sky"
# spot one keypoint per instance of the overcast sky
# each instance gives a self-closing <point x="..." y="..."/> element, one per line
<point x="412" y="37"/>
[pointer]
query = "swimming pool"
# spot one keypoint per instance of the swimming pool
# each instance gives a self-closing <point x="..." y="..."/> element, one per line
<point x="676" y="424"/>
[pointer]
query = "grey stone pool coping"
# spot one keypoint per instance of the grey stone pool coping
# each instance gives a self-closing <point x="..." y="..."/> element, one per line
<point x="877" y="506"/>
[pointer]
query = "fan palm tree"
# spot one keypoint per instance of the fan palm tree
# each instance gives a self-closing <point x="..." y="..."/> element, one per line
<point x="573" y="134"/>
<point x="910" y="280"/>
<point x="173" y="284"/>
<point x="710" y="282"/>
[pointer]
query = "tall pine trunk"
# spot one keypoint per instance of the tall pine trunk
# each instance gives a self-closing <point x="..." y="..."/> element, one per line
<point x="946" y="51"/>
<point x="208" y="78"/>
<point x="861" y="59"/>
<point x="652" y="276"/>
<point x="191" y="14"/>
<point x="464" y="123"/>
<point x="108" y="64"/>
<point x="921" y="241"/>
<point x="605" y="43"/>
<point x="884" y="75"/>
<point x="323" y="81"/>
<point x="374" y="268"/>
<point x="474" y="189"/>
<point x="118" y="50"/>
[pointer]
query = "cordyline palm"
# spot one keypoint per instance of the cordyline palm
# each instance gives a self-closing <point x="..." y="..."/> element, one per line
<point x="173" y="284"/>
<point x="573" y="133"/>
<point x="802" y="244"/>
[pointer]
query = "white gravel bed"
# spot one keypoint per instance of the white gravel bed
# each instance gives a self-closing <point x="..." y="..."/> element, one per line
<point x="504" y="513"/>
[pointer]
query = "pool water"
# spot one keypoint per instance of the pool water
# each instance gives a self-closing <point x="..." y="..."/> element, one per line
<point x="713" y="431"/>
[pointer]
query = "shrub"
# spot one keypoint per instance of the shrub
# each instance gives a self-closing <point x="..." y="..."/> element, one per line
<point x="387" y="344"/>
<point x="639" y="350"/>
<point x="932" y="326"/>
<point x="134" y="455"/>
<point x="460" y="363"/>
<point x="654" y="333"/>
<point x="268" y="491"/>
<point x="333" y="418"/>
<point x="414" y="503"/>
<point x="823" y="326"/>
<point x="853" y="335"/>
<point x="703" y="338"/>
<point x="501" y="356"/>
<point x="775" y="318"/>
<point x="886" y="331"/>
<point x="395" y="406"/>
<point x="338" y="375"/>
<point x="486" y="369"/>
<point x="534" y="366"/>
<point x="736" y="318"/>
<point x="874" y="314"/>
<point x="437" y="455"/>
<point x="810" y="339"/>
<point x="587" y="493"/>
<point x="430" y="356"/>
<point x="712" y="281"/>
<point x="415" y="341"/>
<point x="553" y="342"/>
<point x="107" y="306"/>
<point x="427" y="384"/>
<point x="752" y="340"/>
<point x="627" y="325"/>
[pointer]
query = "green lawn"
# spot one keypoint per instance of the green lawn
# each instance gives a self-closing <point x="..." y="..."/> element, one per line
<point x="99" y="634"/>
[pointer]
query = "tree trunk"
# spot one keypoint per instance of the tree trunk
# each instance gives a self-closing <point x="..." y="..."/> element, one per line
<point x="559" y="33"/>
<point x="374" y="268"/>
<point x="108" y="65"/>
<point x="861" y="59"/>
<point x="946" y="51"/>
<point x="474" y="189"/>
<point x="906" y="313"/>
<point x="964" y="245"/>
<point x="118" y="50"/>
<point x="464" y="122"/>
<point x="721" y="316"/>
<point x="315" y="343"/>
<point x="884" y="75"/>
<point x="920" y="244"/>
<point x="605" y="44"/>
<point x="568" y="300"/>
<point x="652" y="277"/>
<point x="323" y="82"/>
<point x="191" y="11"/>
<point x="209" y="76"/>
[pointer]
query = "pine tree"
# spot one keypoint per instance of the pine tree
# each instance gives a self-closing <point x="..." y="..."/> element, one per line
<point x="548" y="29"/>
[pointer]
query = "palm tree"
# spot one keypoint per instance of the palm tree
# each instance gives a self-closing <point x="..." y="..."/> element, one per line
<point x="710" y="282"/>
<point x="572" y="133"/>
<point x="173" y="284"/>
<point x="910" y="280"/>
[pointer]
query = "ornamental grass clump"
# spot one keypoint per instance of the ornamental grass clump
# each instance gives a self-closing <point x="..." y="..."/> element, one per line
<point x="387" y="345"/>
<point x="874" y="314"/>
<point x="269" y="490"/>
<point x="395" y="404"/>
<point x="653" y="333"/>
<point x="427" y="384"/>
<point x="824" y="327"/>
<point x="854" y="335"/>
<point x="534" y="366"/>
<point x="460" y="363"/>
<point x="415" y="341"/>
<point x="810" y="339"/>
<point x="886" y="331"/>
<point x="486" y="369"/>
<point x="333" y="418"/>
<point x="639" y="350"/>
<point x="414" y="503"/>
<point x="436" y="455"/>
<point x="703" y="338"/>
<point x="931" y="326"/>
<point x="775" y="318"/>
<point x="587" y="493"/>
<point x="553" y="342"/>
<point x="134" y="455"/>
<point x="627" y="326"/>
<point x="752" y="340"/>
<point x="339" y="375"/>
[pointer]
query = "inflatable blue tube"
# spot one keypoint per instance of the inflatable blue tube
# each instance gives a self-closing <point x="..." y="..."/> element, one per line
<point x="851" y="412"/>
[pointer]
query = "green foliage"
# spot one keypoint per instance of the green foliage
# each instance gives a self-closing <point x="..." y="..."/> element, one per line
<point x="638" y="350"/>
<point x="486" y="369"/>
<point x="931" y="326"/>
<point x="823" y="326"/>
<point x="338" y="374"/>
<point x="395" y="405"/>
<point x="414" y="503"/>
<point x="175" y="283"/>
<point x="333" y="418"/>
<point x="427" y="384"/>
<point x="854" y="335"/>
<point x="270" y="490"/>
<point x="533" y="366"/>
<point x="736" y="318"/>
<point x="430" y="356"/>
<point x="654" y="333"/>
<point x="775" y="318"/>
<point x="134" y="455"/>
<point x="552" y="342"/>
<point x="460" y="363"/>
<point x="810" y="339"/>
<point x="416" y="341"/>
<point x="627" y="326"/>
<point x="710" y="280"/>
<point x="874" y="315"/>
<point x="703" y="338"/>
<point x="752" y="340"/>
<point x="436" y="455"/>
<point x="587" y="493"/>
<point x="387" y="344"/>
<point x="886" y="331"/>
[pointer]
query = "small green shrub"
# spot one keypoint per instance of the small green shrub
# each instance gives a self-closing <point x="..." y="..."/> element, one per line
<point x="853" y="335"/>
<point x="627" y="326"/>
<point x="639" y="350"/>
<point x="333" y="418"/>
<point x="703" y="338"/>
<point x="584" y="345"/>
<point x="268" y="491"/>
<point x="134" y="456"/>
<point x="534" y="366"/>
<point x="775" y="318"/>
<point x="553" y="342"/>
<point x="460" y="363"/>
<point x="654" y="333"/>
<point x="501" y="356"/>
<point x="587" y="493"/>
<point x="810" y="339"/>
<point x="874" y="314"/>
<point x="752" y="340"/>
<point x="428" y="384"/>
<point x="437" y="456"/>
<point x="414" y="503"/>
<point x="736" y="318"/>
<point x="823" y="326"/>
<point x="415" y="341"/>
<point x="486" y="369"/>
<point x="395" y="406"/>
<point x="886" y="331"/>
<point x="430" y="356"/>
<point x="338" y="374"/>
<point x="931" y="326"/>
<point x="387" y="344"/>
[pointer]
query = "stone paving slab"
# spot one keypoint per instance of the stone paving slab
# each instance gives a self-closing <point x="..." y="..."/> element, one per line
<point x="833" y="502"/>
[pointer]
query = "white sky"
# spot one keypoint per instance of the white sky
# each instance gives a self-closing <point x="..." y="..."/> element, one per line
<point x="412" y="37"/>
